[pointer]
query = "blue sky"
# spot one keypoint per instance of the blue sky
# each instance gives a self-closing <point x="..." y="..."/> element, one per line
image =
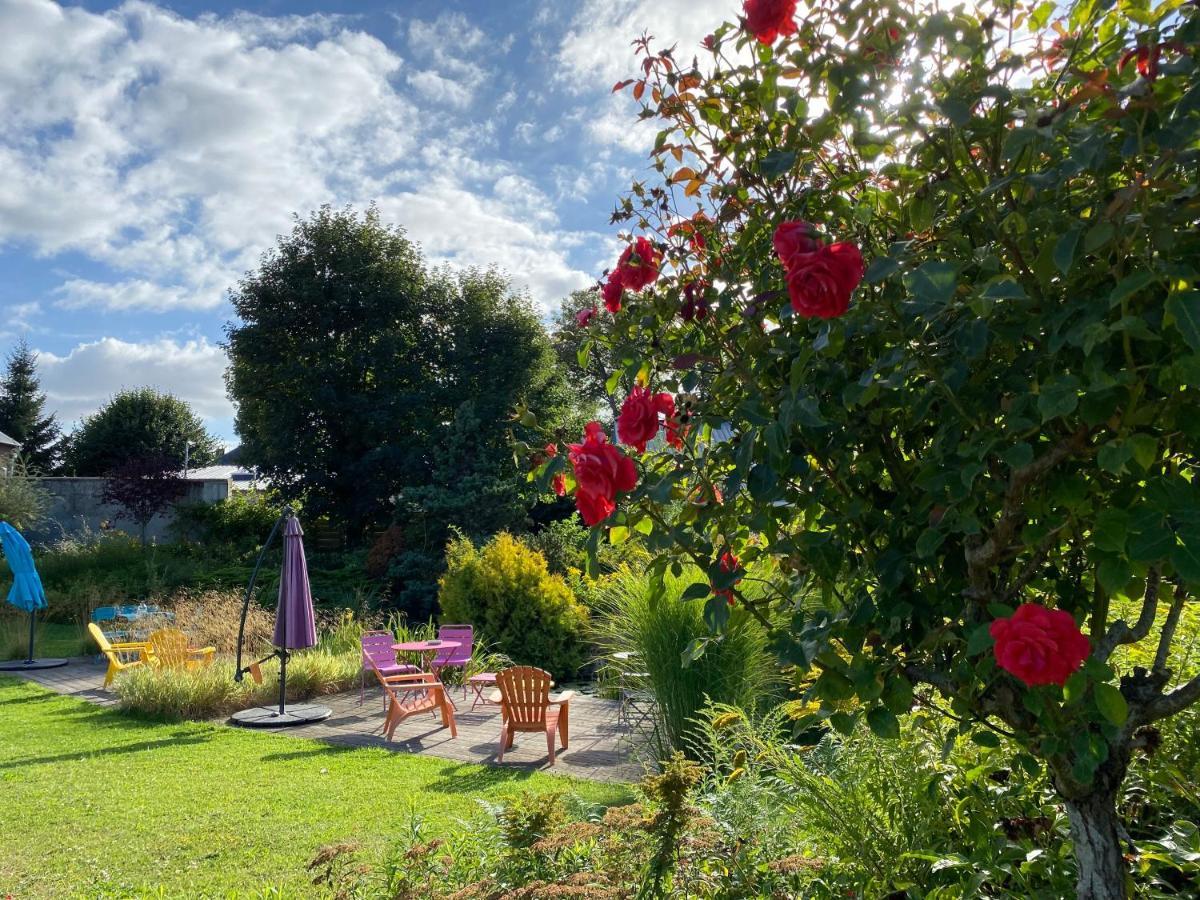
<point x="152" y="151"/>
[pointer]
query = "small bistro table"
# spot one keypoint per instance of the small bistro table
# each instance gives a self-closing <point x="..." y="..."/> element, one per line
<point x="427" y="650"/>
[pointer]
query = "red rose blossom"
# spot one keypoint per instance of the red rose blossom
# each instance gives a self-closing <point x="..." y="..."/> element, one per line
<point x="1039" y="645"/>
<point x="585" y="316"/>
<point x="638" y="266"/>
<point x="611" y="292"/>
<point x="709" y="41"/>
<point x="638" y="422"/>
<point x="694" y="305"/>
<point x="601" y="470"/>
<point x="820" y="283"/>
<point x="559" y="484"/>
<point x="792" y="238"/>
<point x="729" y="563"/>
<point x="768" y="19"/>
<point x="551" y="450"/>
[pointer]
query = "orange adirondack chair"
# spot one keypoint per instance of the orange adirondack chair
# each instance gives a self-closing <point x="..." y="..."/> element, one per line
<point x="411" y="694"/>
<point x="171" y="650"/>
<point x="118" y="654"/>
<point x="526" y="705"/>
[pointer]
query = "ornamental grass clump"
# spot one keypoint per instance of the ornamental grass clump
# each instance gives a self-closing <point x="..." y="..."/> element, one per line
<point x="946" y="379"/>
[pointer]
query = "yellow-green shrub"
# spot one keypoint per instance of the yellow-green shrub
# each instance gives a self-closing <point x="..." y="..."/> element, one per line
<point x="505" y="590"/>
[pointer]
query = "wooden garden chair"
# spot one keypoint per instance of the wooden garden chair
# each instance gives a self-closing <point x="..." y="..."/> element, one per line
<point x="170" y="649"/>
<point x="412" y="694"/>
<point x="526" y="705"/>
<point x="119" y="654"/>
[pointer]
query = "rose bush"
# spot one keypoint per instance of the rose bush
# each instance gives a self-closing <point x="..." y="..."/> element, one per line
<point x="967" y="386"/>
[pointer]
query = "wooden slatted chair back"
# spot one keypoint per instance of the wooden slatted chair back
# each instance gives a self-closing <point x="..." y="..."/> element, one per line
<point x="525" y="693"/>
<point x="170" y="648"/>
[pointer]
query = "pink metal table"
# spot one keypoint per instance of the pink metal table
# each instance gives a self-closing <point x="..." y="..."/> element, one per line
<point x="427" y="650"/>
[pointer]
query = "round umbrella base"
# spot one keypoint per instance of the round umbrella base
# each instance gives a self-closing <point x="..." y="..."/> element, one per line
<point x="29" y="665"/>
<point x="269" y="717"/>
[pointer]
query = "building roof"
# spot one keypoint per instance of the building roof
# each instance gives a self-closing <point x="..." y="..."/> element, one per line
<point x="6" y="441"/>
<point x="241" y="479"/>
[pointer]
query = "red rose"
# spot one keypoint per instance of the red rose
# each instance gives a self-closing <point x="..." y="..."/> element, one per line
<point x="601" y="470"/>
<point x="729" y="563"/>
<point x="585" y="316"/>
<point x="694" y="305"/>
<point x="638" y="422"/>
<point x="638" y="266"/>
<point x="559" y="484"/>
<point x="611" y="292"/>
<point x="1039" y="645"/>
<point x="551" y="450"/>
<point x="820" y="283"/>
<point x="795" y="237"/>
<point x="709" y="41"/>
<point x="768" y="19"/>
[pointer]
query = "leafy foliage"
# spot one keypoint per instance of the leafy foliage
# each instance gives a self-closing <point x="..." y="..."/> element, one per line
<point x="23" y="408"/>
<point x="23" y="500"/>
<point x="143" y="487"/>
<point x="661" y="632"/>
<point x="137" y="424"/>
<point x="505" y="590"/>
<point x="1005" y="413"/>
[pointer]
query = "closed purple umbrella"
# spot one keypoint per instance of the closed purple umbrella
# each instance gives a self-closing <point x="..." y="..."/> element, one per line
<point x="295" y="629"/>
<point x="295" y="626"/>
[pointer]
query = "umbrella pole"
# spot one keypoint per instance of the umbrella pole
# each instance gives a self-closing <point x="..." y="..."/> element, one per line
<point x="32" y="616"/>
<point x="283" y="658"/>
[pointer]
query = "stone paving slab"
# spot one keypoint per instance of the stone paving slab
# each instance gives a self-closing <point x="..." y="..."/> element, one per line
<point x="600" y="750"/>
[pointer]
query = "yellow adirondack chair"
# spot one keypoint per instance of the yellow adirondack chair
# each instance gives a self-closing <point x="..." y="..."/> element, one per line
<point x="118" y="654"/>
<point x="170" y="649"/>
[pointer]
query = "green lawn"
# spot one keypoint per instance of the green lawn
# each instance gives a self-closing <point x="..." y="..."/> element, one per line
<point x="50" y="638"/>
<point x="96" y="804"/>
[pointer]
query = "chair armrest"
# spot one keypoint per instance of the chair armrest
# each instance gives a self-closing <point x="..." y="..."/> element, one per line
<point x="130" y="646"/>
<point x="421" y="677"/>
<point x="420" y="686"/>
<point x="202" y="651"/>
<point x="563" y="698"/>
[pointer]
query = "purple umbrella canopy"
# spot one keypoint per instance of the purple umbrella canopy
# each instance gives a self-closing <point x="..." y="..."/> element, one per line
<point x="295" y="625"/>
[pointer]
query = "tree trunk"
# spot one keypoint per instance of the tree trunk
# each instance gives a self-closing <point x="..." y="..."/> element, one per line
<point x="1094" y="829"/>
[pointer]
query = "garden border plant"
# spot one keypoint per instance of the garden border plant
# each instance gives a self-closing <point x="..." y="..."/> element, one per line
<point x="912" y="293"/>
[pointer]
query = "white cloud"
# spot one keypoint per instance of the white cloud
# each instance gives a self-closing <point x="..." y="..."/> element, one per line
<point x="172" y="151"/>
<point x="597" y="47"/>
<point x="83" y="379"/>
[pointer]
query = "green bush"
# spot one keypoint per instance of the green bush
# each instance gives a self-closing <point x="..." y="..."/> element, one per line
<point x="240" y="522"/>
<point x="737" y="669"/>
<point x="505" y="590"/>
<point x="23" y="500"/>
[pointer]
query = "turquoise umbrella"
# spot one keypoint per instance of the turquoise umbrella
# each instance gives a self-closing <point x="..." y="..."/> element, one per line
<point x="26" y="592"/>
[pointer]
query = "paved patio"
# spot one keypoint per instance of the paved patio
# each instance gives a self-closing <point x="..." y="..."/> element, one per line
<point x="601" y="750"/>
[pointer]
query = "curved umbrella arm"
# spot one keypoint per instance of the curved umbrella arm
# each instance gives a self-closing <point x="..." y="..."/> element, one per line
<point x="239" y="672"/>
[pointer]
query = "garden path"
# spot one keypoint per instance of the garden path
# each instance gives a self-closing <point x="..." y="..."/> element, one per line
<point x="601" y="749"/>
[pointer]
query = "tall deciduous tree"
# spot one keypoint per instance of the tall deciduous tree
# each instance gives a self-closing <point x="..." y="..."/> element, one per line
<point x="976" y="453"/>
<point x="23" y="411"/>
<point x="356" y="369"/>
<point x="137" y="424"/>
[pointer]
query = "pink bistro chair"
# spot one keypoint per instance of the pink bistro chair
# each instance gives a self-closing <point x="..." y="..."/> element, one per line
<point x="378" y="655"/>
<point x="455" y="657"/>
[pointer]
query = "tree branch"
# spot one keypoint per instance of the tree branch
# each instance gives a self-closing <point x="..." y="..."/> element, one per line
<point x="1168" y="630"/>
<point x="983" y="555"/>
<point x="1176" y="701"/>
<point x="1030" y="569"/>
<point x="1121" y="633"/>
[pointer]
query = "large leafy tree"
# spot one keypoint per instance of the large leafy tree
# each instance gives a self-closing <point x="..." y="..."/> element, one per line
<point x="356" y="370"/>
<point x="137" y="424"/>
<point x="23" y="414"/>
<point x="979" y="460"/>
<point x="143" y="487"/>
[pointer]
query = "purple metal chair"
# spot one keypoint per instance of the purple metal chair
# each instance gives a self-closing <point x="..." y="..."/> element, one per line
<point x="455" y="657"/>
<point x="377" y="653"/>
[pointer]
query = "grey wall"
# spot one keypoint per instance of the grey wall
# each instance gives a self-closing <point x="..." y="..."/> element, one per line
<point x="77" y="507"/>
